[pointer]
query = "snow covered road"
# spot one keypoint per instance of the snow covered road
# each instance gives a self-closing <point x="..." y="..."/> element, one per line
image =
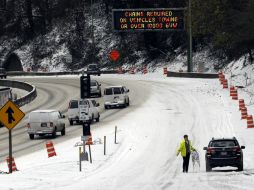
<point x="148" y="137"/>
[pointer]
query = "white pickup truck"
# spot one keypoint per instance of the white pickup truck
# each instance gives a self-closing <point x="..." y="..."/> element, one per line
<point x="83" y="111"/>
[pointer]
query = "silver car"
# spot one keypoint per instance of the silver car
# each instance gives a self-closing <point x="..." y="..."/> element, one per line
<point x="116" y="96"/>
<point x="95" y="88"/>
<point x="43" y="122"/>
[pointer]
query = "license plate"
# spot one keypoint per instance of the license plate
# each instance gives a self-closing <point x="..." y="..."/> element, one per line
<point x="43" y="124"/>
<point x="116" y="99"/>
<point x="223" y="153"/>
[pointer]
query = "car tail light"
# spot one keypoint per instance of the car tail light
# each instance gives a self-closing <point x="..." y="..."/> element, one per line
<point x="28" y="125"/>
<point x="237" y="149"/>
<point x="51" y="124"/>
<point x="210" y="150"/>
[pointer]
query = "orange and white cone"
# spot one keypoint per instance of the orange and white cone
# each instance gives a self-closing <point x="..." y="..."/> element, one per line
<point x="165" y="71"/>
<point x="244" y="113"/>
<point x="89" y="141"/>
<point x="241" y="104"/>
<point x="120" y="70"/>
<point x="234" y="94"/>
<point x="132" y="70"/>
<point x="225" y="83"/>
<point x="221" y="77"/>
<point x="14" y="168"/>
<point x="250" y="121"/>
<point x="145" y="71"/>
<point x="50" y="149"/>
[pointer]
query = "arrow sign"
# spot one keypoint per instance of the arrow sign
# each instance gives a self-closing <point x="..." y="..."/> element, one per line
<point x="9" y="111"/>
<point x="10" y="115"/>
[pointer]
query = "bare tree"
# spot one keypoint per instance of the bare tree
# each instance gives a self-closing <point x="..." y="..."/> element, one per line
<point x="29" y="14"/>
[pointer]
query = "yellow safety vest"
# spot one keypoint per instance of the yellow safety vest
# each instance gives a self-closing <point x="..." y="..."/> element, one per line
<point x="182" y="148"/>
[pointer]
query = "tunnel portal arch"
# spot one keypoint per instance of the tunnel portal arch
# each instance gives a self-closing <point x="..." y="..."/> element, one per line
<point x="12" y="63"/>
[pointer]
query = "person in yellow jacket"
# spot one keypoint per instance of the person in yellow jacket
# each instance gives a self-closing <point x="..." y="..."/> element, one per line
<point x="185" y="148"/>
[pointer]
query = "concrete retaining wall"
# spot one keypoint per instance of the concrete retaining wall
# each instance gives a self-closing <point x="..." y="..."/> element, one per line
<point x="24" y="86"/>
<point x="22" y="73"/>
<point x="192" y="75"/>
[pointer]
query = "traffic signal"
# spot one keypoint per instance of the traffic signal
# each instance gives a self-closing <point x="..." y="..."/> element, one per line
<point x="85" y="89"/>
<point x="86" y="129"/>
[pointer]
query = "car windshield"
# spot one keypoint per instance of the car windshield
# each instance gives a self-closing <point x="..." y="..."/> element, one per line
<point x="39" y="117"/>
<point x="93" y="83"/>
<point x="108" y="91"/>
<point x="84" y="103"/>
<point x="117" y="90"/>
<point x="223" y="143"/>
<point x="73" y="104"/>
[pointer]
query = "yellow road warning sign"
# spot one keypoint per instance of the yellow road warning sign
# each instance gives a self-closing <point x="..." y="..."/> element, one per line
<point x="10" y="115"/>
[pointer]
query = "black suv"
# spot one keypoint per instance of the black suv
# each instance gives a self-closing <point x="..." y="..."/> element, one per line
<point x="93" y="69"/>
<point x="224" y="152"/>
<point x="3" y="73"/>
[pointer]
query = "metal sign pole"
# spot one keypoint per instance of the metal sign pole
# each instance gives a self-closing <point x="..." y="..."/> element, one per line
<point x="80" y="168"/>
<point x="190" y="64"/>
<point x="10" y="151"/>
<point x="90" y="153"/>
<point x="115" y="133"/>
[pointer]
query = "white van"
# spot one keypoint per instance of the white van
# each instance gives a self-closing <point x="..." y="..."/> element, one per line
<point x="116" y="96"/>
<point x="43" y="122"/>
<point x="91" y="112"/>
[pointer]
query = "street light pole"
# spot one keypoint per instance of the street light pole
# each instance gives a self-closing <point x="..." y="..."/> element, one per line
<point x="190" y="64"/>
<point x="92" y="32"/>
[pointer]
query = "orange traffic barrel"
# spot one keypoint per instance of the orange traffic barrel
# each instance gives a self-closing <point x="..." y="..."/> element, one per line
<point x="50" y="149"/>
<point x="244" y="113"/>
<point x="13" y="165"/>
<point x="165" y="70"/>
<point x="241" y="104"/>
<point x="250" y="121"/>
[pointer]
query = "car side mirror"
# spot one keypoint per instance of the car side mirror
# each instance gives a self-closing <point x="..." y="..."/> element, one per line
<point x="63" y="116"/>
<point x="128" y="90"/>
<point x="242" y="147"/>
<point x="97" y="104"/>
<point x="205" y="148"/>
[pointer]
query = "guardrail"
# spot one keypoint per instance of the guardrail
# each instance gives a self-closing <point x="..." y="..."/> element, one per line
<point x="192" y="75"/>
<point x="22" y="73"/>
<point x="24" y="86"/>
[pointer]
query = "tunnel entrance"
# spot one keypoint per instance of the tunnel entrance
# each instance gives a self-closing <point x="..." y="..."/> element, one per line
<point x="12" y="63"/>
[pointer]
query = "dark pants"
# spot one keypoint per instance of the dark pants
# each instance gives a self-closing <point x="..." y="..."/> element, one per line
<point x="186" y="162"/>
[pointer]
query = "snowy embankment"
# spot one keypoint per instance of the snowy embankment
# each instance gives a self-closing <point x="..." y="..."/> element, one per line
<point x="147" y="139"/>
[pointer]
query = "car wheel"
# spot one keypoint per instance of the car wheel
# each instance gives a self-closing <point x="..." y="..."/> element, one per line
<point x="54" y="134"/>
<point x="128" y="103"/>
<point x="63" y="131"/>
<point x="106" y="107"/>
<point x="31" y="136"/>
<point x="99" y="94"/>
<point x="240" y="167"/>
<point x="208" y="167"/>
<point x="125" y="104"/>
<point x="71" y="122"/>
<point x="98" y="118"/>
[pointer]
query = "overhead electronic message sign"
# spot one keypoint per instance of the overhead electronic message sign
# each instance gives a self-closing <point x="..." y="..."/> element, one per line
<point x="148" y="19"/>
